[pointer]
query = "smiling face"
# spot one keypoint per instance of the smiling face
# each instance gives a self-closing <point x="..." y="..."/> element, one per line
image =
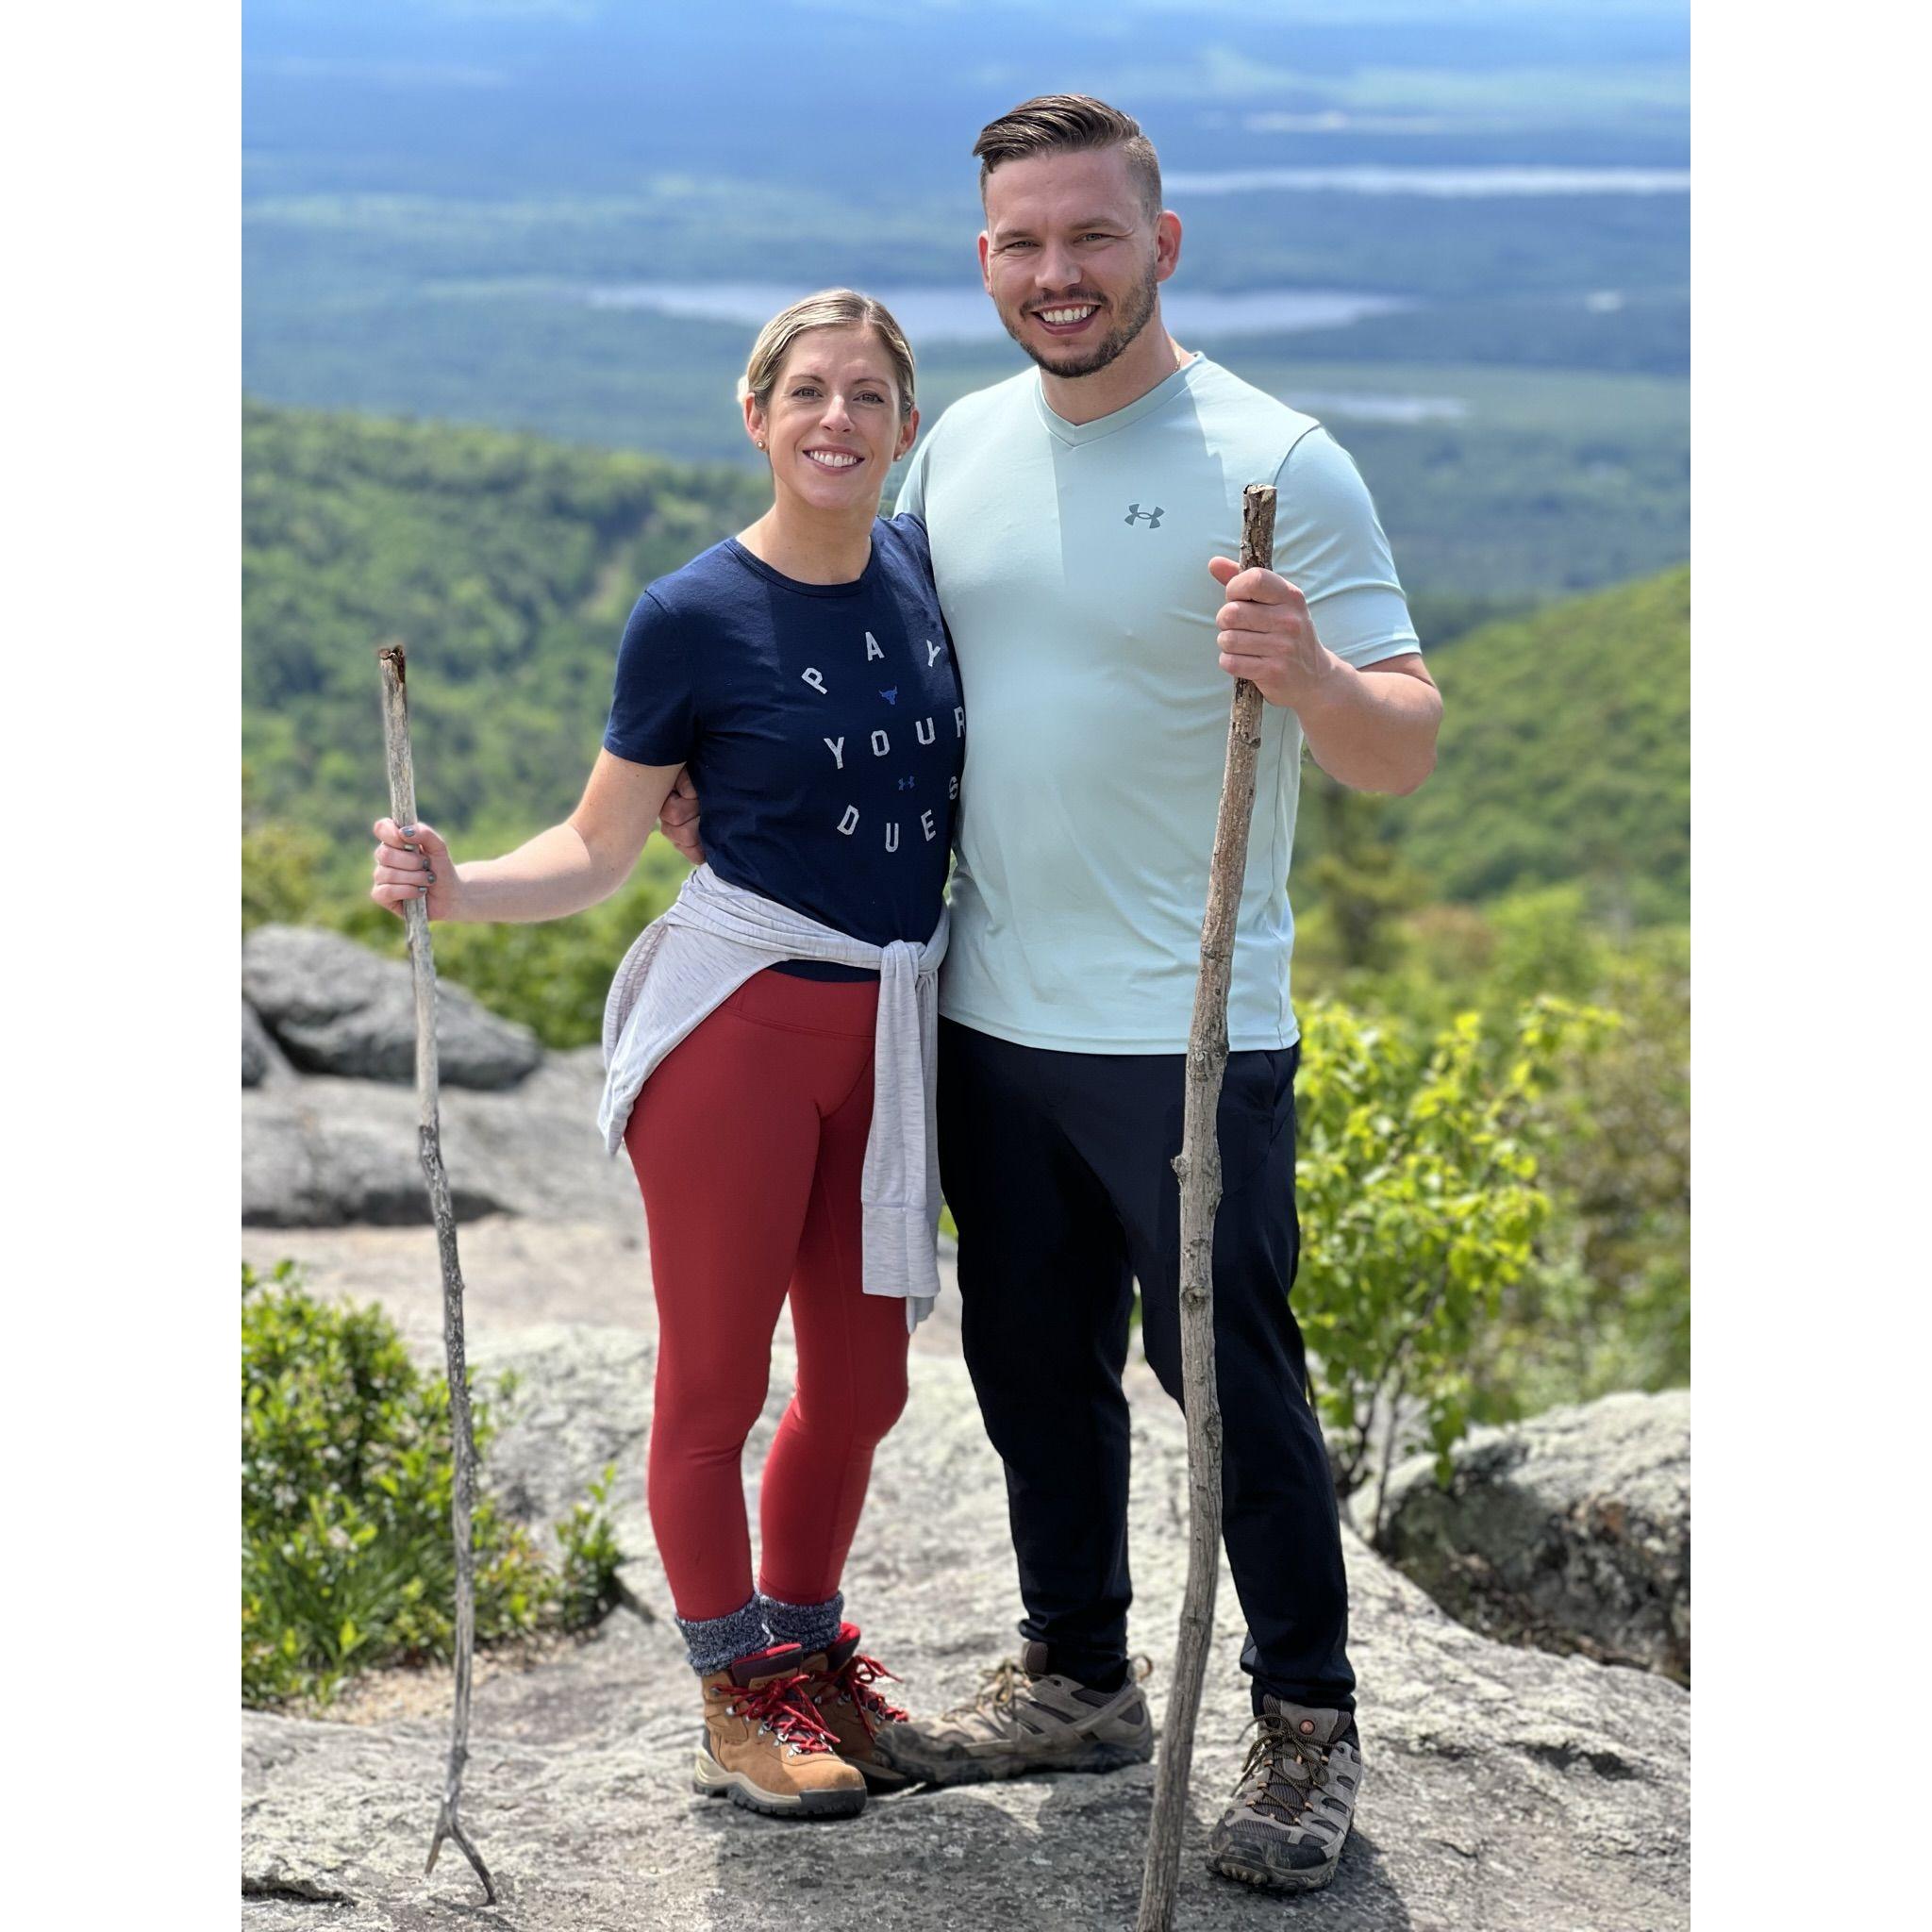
<point x="1071" y="256"/>
<point x="831" y="425"/>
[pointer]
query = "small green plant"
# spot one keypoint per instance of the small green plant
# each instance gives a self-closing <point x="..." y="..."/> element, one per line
<point x="591" y="1556"/>
<point x="1416" y="1179"/>
<point x="346" y="1475"/>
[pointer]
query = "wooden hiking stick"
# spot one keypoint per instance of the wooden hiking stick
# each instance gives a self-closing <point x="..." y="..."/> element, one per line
<point x="402" y="807"/>
<point x="1198" y="1165"/>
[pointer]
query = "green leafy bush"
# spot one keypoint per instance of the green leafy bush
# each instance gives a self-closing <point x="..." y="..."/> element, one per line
<point x="346" y="1477"/>
<point x="1606" y="1304"/>
<point x="1609" y="1307"/>
<point x="282" y="865"/>
<point x="1416" y="1180"/>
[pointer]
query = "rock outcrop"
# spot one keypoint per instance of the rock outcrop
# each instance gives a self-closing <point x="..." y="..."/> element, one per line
<point x="336" y="1008"/>
<point x="1571" y="1531"/>
<point x="260" y="1056"/>
<point x="318" y="1151"/>
<point x="1506" y="1788"/>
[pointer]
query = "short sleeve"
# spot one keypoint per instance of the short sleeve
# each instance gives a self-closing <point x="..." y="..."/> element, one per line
<point x="911" y="530"/>
<point x="1329" y="543"/>
<point x="653" y="712"/>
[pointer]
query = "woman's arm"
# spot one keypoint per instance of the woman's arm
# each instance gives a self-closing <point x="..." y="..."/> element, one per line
<point x="559" y="872"/>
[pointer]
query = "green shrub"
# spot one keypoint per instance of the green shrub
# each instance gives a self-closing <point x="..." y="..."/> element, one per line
<point x="588" y="1586"/>
<point x="1609" y="1307"/>
<point x="1606" y="1304"/>
<point x="1418" y="1183"/>
<point x="281" y="873"/>
<point x="346" y="1477"/>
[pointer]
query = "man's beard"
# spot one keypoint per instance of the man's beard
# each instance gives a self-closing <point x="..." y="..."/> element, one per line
<point x="1111" y="345"/>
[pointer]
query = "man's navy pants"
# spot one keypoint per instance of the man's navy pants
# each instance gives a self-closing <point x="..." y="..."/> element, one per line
<point x="1058" y="1170"/>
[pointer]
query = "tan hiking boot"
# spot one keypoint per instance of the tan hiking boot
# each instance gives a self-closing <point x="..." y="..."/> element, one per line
<point x="839" y="1683"/>
<point x="1294" y="1803"/>
<point x="764" y="1747"/>
<point x="1025" y="1718"/>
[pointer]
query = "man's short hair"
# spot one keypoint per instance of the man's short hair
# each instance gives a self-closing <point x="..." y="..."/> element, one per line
<point x="1070" y="123"/>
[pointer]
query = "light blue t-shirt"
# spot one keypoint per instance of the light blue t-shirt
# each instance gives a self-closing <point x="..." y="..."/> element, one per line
<point x="1072" y="566"/>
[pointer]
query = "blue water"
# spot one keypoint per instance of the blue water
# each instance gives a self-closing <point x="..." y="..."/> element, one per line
<point x="966" y="314"/>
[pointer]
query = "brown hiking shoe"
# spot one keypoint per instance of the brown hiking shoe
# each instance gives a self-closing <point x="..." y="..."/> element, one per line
<point x="1024" y="1719"/>
<point x="1294" y="1803"/>
<point x="839" y="1683"/>
<point x="764" y="1747"/>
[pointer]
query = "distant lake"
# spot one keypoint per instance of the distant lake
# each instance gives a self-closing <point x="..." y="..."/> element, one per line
<point x="1378" y="406"/>
<point x="966" y="315"/>
<point x="1450" y="184"/>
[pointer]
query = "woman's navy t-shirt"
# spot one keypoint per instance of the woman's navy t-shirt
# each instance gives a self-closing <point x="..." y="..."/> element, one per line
<point x="821" y="722"/>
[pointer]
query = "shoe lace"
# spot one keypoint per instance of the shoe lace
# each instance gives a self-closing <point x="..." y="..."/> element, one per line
<point x="1291" y="1767"/>
<point x="780" y="1706"/>
<point x="854" y="1680"/>
<point x="1003" y="1683"/>
<point x="998" y="1688"/>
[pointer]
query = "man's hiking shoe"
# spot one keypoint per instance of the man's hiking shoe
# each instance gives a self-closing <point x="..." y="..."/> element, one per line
<point x="839" y="1683"/>
<point x="765" y="1746"/>
<point x="1025" y="1719"/>
<point x="1294" y="1803"/>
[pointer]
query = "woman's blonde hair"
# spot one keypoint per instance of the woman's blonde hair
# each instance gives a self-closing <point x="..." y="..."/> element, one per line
<point x="829" y="308"/>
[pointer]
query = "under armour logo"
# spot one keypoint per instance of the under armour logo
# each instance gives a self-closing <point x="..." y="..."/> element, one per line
<point x="907" y="784"/>
<point x="1135" y="512"/>
<point x="892" y="697"/>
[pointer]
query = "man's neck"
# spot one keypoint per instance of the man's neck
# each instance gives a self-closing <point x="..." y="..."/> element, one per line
<point x="1150" y="359"/>
<point x="814" y="549"/>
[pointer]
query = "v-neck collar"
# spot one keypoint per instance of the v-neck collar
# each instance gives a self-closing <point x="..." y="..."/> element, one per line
<point x="1157" y="397"/>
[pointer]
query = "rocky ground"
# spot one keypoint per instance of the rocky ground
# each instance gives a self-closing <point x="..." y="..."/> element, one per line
<point x="1507" y="1787"/>
<point x="1571" y="1531"/>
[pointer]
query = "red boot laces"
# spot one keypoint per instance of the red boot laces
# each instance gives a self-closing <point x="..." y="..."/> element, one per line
<point x="854" y="1680"/>
<point x="783" y="1706"/>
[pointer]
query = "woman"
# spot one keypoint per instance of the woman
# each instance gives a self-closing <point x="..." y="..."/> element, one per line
<point x="769" y="1039"/>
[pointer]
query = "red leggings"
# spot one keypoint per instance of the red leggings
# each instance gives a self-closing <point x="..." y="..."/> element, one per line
<point x="748" y="1141"/>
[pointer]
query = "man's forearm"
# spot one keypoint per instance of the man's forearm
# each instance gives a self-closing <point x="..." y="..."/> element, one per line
<point x="1375" y="730"/>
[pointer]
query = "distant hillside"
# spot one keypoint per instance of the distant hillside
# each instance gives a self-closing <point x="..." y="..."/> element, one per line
<point x="1565" y="753"/>
<point x="507" y="564"/>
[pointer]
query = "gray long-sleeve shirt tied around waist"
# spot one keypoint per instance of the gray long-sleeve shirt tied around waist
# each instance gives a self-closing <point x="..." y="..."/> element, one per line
<point x="695" y="955"/>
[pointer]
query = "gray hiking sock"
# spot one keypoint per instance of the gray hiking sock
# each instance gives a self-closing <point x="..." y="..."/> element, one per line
<point x="812" y="1627"/>
<point x="711" y="1642"/>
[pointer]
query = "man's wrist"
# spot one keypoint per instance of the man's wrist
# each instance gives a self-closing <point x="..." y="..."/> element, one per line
<point x="1325" y="691"/>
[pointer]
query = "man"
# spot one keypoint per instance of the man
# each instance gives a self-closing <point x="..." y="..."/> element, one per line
<point x="1081" y="515"/>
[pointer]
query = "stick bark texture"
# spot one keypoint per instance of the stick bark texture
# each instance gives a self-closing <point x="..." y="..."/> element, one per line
<point x="401" y="806"/>
<point x="1198" y="1166"/>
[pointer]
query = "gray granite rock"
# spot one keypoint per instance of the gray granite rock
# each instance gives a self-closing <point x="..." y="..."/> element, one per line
<point x="337" y="1007"/>
<point x="318" y="1151"/>
<point x="1571" y="1531"/>
<point x="1506" y="1788"/>
<point x="261" y="1056"/>
<point x="581" y="1402"/>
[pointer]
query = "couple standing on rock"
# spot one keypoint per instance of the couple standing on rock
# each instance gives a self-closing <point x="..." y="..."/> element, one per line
<point x="794" y="1069"/>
